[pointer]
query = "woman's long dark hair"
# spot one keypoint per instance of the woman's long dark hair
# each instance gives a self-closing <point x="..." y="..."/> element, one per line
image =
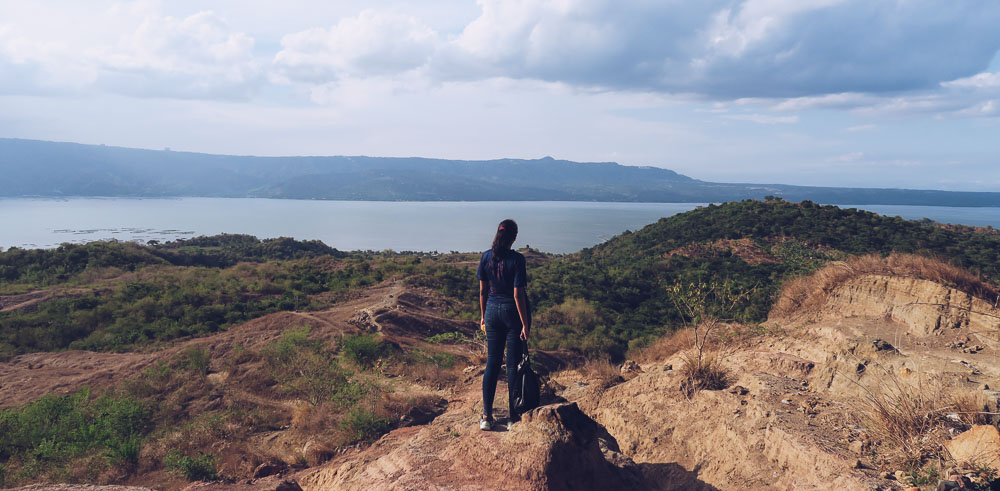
<point x="506" y="233"/>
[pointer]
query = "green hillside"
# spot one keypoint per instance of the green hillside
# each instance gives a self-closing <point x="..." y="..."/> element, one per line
<point x="606" y="297"/>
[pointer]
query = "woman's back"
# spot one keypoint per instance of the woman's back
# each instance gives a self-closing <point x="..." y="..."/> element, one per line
<point x="502" y="274"/>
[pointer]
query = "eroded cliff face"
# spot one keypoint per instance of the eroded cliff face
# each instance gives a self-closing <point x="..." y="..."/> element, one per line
<point x="924" y="306"/>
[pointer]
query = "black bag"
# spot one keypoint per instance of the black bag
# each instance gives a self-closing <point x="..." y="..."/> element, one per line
<point x="527" y="390"/>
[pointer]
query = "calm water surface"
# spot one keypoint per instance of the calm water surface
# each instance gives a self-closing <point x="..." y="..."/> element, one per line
<point x="553" y="226"/>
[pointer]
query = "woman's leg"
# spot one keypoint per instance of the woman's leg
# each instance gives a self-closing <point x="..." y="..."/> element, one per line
<point x="514" y="353"/>
<point x="496" y="336"/>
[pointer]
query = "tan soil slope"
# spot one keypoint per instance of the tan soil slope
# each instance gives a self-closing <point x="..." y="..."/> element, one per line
<point x="788" y="419"/>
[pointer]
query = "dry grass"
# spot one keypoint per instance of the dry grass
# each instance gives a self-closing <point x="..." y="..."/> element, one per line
<point x="808" y="294"/>
<point x="725" y="336"/>
<point x="908" y="424"/>
<point x="972" y="408"/>
<point x="665" y="347"/>
<point x="601" y="372"/>
<point x="704" y="374"/>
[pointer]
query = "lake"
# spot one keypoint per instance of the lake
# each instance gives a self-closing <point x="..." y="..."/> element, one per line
<point x="552" y="226"/>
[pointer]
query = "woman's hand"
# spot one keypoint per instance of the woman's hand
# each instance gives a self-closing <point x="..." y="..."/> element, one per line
<point x="482" y="324"/>
<point x="524" y="334"/>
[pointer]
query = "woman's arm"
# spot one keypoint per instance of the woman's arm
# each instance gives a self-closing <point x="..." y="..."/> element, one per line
<point x="483" y="293"/>
<point x="521" y="300"/>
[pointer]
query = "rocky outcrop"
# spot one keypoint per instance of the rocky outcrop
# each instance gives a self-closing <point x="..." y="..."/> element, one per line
<point x="756" y="436"/>
<point x="553" y="447"/>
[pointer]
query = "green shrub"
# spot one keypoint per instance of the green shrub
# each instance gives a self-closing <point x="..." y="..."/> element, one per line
<point x="440" y="360"/>
<point x="448" y="338"/>
<point x="305" y="370"/>
<point x="200" y="468"/>
<point x="124" y="452"/>
<point x="196" y="359"/>
<point x="365" y="349"/>
<point x="363" y="425"/>
<point x="56" y="429"/>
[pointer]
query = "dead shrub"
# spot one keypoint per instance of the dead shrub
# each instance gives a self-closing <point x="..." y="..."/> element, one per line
<point x="808" y="294"/>
<point x="665" y="347"/>
<point x="309" y="419"/>
<point x="972" y="408"/>
<point x="601" y="372"/>
<point x="431" y="375"/>
<point x="909" y="423"/>
<point x="412" y="409"/>
<point x="702" y="373"/>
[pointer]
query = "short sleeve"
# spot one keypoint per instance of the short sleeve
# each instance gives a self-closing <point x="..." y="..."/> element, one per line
<point x="481" y="272"/>
<point x="520" y="273"/>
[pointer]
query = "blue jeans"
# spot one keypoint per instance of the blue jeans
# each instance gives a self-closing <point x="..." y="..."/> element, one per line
<point x="503" y="326"/>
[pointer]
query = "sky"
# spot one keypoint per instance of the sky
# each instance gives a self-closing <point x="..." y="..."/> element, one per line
<point x="867" y="93"/>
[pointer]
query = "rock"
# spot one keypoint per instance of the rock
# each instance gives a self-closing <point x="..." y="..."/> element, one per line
<point x="424" y="413"/>
<point x="556" y="446"/>
<point x="316" y="452"/>
<point x="668" y="367"/>
<point x="978" y="446"/>
<point x="630" y="369"/>
<point x="857" y="446"/>
<point x="739" y="390"/>
<point x="288" y="485"/>
<point x="881" y="345"/>
<point x="900" y="476"/>
<point x="948" y="485"/>
<point x="269" y="469"/>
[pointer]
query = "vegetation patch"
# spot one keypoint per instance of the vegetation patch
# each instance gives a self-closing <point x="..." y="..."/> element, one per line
<point x="55" y="431"/>
<point x="193" y="468"/>
<point x="364" y="425"/>
<point x="304" y="370"/>
<point x="365" y="349"/>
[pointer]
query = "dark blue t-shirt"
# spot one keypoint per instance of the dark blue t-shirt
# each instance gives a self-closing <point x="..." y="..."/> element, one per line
<point x="502" y="275"/>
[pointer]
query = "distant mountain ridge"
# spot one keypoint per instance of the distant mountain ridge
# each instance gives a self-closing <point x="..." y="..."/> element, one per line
<point x="55" y="169"/>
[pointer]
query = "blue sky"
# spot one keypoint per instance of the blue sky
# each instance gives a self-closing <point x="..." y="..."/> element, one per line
<point x="901" y="93"/>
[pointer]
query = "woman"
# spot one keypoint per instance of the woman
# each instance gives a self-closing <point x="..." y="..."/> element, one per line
<point x="503" y="306"/>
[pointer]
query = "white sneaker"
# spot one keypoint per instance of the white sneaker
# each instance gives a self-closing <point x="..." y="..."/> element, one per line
<point x="510" y="424"/>
<point x="485" y="424"/>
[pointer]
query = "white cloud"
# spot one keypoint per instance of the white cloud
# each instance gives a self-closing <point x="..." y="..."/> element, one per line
<point x="197" y="56"/>
<point x="847" y="157"/>
<point x="727" y="50"/>
<point x="860" y="127"/>
<point x="129" y="48"/>
<point x="763" y="118"/>
<point x="979" y="81"/>
<point x="861" y="159"/>
<point x="372" y="43"/>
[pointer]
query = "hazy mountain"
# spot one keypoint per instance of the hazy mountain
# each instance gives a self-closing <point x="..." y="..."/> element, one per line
<point x="39" y="168"/>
